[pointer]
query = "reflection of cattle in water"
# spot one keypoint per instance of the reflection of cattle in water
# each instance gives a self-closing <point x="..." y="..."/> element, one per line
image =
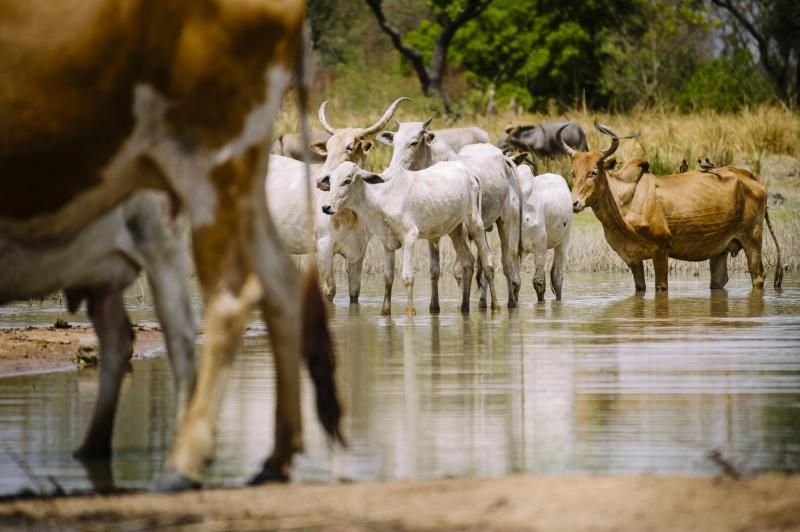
<point x="73" y="151"/>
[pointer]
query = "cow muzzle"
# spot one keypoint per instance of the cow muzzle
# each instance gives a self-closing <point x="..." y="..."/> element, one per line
<point x="578" y="205"/>
<point x="327" y="209"/>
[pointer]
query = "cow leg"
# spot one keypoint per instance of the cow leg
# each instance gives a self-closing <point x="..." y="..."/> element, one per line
<point x="388" y="280"/>
<point x="752" y="249"/>
<point x="408" y="269"/>
<point x="481" y="284"/>
<point x="222" y="257"/>
<point x="325" y="255"/>
<point x="637" y="268"/>
<point x="467" y="261"/>
<point x="510" y="259"/>
<point x="719" y="270"/>
<point x="115" y="337"/>
<point x="557" y="270"/>
<point x="661" y="267"/>
<point x="485" y="257"/>
<point x="435" y="268"/>
<point x="354" y="278"/>
<point x="282" y="310"/>
<point x="163" y="247"/>
<point x="539" y="271"/>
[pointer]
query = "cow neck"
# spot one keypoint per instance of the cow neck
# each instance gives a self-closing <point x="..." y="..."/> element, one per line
<point x="372" y="194"/>
<point x="607" y="209"/>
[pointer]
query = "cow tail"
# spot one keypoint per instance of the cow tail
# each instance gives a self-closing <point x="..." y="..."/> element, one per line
<point x="778" y="264"/>
<point x="317" y="342"/>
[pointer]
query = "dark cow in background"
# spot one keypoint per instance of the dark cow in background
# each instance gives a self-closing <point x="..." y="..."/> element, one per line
<point x="540" y="140"/>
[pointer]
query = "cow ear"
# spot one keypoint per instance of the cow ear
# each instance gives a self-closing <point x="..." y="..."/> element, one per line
<point x="320" y="148"/>
<point x="324" y="183"/>
<point x="366" y="146"/>
<point x="369" y="177"/>
<point x="386" y="137"/>
<point x="429" y="137"/>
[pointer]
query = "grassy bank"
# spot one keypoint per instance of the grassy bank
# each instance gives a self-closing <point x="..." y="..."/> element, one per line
<point x="765" y="140"/>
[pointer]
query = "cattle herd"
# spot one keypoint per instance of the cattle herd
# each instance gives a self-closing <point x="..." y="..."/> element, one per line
<point x="101" y="152"/>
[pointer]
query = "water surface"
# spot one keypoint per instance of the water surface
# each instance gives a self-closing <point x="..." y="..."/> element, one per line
<point x="603" y="382"/>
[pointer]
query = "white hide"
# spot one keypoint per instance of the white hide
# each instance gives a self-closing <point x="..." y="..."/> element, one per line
<point x="412" y="205"/>
<point x="341" y="234"/>
<point x="546" y="224"/>
<point x="458" y="137"/>
<point x="414" y="148"/>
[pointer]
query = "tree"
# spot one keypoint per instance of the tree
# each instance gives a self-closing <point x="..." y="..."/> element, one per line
<point x="449" y="16"/>
<point x="773" y="28"/>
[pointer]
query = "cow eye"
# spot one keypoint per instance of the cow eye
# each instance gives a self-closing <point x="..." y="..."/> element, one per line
<point x="413" y="143"/>
<point x="594" y="173"/>
<point x="347" y="182"/>
<point x="351" y="147"/>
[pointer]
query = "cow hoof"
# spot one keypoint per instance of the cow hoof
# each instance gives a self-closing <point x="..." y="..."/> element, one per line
<point x="495" y="307"/>
<point x="268" y="474"/>
<point x="512" y="304"/>
<point x="354" y="300"/>
<point x="172" y="481"/>
<point x="386" y="312"/>
<point x="434" y="309"/>
<point x="482" y="304"/>
<point x="411" y="311"/>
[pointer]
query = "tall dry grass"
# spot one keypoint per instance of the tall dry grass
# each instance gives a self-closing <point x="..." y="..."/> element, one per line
<point x="748" y="138"/>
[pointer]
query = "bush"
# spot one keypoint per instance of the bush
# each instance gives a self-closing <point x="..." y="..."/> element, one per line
<point x="725" y="84"/>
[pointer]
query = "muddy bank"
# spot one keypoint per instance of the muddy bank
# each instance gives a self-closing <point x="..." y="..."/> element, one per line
<point x="34" y="349"/>
<point x="508" y="503"/>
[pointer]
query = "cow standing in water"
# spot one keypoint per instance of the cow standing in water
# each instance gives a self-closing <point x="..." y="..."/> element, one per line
<point x="694" y="216"/>
<point x="101" y="99"/>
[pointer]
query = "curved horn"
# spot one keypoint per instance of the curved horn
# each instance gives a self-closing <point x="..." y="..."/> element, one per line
<point x="380" y="124"/>
<point x="427" y="123"/>
<point x="323" y="120"/>
<point x="614" y="138"/>
<point x="564" y="146"/>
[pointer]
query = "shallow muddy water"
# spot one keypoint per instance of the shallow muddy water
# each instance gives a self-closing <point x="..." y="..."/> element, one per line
<point x="603" y="382"/>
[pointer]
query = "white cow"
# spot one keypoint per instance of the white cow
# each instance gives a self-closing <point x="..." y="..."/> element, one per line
<point x="342" y="234"/>
<point x="440" y="200"/>
<point x="97" y="264"/>
<point x="546" y="224"/>
<point x="458" y="137"/>
<point x="415" y="148"/>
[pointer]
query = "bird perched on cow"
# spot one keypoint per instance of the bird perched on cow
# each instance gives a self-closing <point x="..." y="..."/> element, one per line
<point x="684" y="167"/>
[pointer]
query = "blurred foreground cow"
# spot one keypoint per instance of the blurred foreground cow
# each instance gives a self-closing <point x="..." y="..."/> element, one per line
<point x="541" y="139"/>
<point x="101" y="99"/>
<point x="458" y="137"/>
<point x="693" y="216"/>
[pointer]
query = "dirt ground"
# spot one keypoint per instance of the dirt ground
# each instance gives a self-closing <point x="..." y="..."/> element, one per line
<point x="765" y="503"/>
<point x="34" y="349"/>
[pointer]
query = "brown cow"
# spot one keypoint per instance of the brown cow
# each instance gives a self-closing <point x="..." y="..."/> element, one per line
<point x="693" y="216"/>
<point x="102" y="98"/>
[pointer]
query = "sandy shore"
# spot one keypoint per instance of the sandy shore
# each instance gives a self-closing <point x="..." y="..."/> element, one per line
<point x="35" y="349"/>
<point x="560" y="503"/>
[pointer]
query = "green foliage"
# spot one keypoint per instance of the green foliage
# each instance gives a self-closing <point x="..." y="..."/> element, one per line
<point x="725" y="84"/>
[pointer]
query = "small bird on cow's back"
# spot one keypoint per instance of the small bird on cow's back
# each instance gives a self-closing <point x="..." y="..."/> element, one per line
<point x="707" y="166"/>
<point x="684" y="167"/>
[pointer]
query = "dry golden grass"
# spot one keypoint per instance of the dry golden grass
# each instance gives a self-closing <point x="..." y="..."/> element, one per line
<point x="753" y="137"/>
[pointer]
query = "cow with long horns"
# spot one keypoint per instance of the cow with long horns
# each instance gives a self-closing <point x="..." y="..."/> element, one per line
<point x="341" y="234"/>
<point x="693" y="216"/>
